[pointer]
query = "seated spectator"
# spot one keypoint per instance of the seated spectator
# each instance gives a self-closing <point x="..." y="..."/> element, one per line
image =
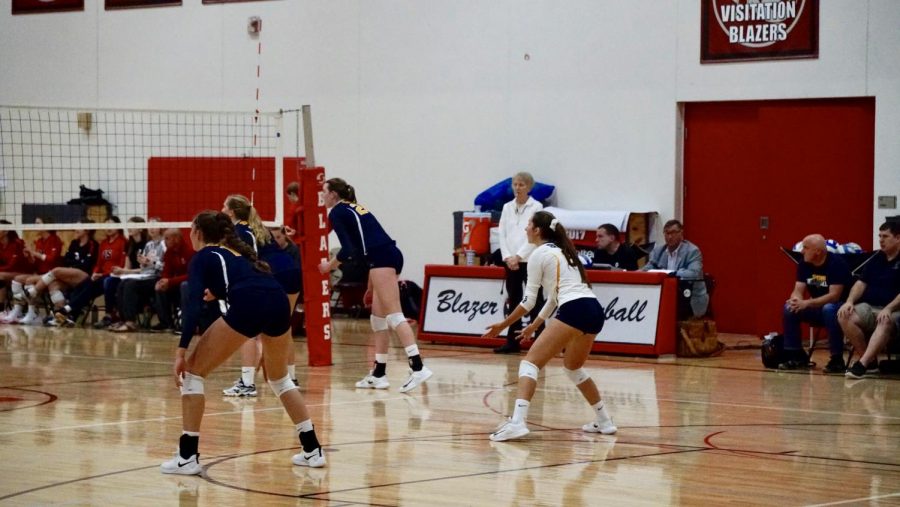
<point x="111" y="255"/>
<point x="46" y="255"/>
<point x="685" y="260"/>
<point x="612" y="252"/>
<point x="13" y="262"/>
<point x="174" y="273"/>
<point x="137" y="239"/>
<point x="823" y="276"/>
<point x="77" y="265"/>
<point x="137" y="287"/>
<point x="873" y="306"/>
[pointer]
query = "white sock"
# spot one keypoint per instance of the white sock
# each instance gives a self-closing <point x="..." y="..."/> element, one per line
<point x="292" y="371"/>
<point x="412" y="350"/>
<point x="247" y="375"/>
<point x="304" y="426"/>
<point x="520" y="412"/>
<point x="191" y="433"/>
<point x="381" y="358"/>
<point x="600" y="410"/>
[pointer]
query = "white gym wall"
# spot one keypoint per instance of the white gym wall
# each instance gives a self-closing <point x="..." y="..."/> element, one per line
<point x="421" y="104"/>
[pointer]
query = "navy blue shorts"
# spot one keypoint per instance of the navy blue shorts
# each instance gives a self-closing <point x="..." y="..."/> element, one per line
<point x="255" y="311"/>
<point x="584" y="314"/>
<point x="387" y="256"/>
<point x="290" y="280"/>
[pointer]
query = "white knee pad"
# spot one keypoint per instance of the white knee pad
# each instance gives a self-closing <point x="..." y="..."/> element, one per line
<point x="527" y="369"/>
<point x="48" y="277"/>
<point x="282" y="385"/>
<point x="57" y="297"/>
<point x="191" y="384"/>
<point x="395" y="319"/>
<point x="17" y="289"/>
<point x="378" y="323"/>
<point x="577" y="376"/>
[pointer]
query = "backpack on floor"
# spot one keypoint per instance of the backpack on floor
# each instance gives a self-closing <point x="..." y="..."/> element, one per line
<point x="772" y="351"/>
<point x="410" y="299"/>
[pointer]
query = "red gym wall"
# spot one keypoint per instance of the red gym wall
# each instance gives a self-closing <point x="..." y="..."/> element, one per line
<point x="806" y="165"/>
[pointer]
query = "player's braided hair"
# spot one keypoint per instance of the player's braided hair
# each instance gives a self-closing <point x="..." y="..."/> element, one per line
<point x="216" y="227"/>
<point x="552" y="230"/>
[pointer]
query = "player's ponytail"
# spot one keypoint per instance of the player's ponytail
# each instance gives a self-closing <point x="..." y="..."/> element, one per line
<point x="216" y="227"/>
<point x="553" y="231"/>
<point x="343" y="189"/>
<point x="245" y="211"/>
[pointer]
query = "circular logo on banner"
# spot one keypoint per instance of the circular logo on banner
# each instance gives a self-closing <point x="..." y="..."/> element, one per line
<point x="757" y="23"/>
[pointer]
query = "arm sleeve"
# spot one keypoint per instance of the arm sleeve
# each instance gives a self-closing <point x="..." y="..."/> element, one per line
<point x="351" y="244"/>
<point x="693" y="268"/>
<point x="501" y="233"/>
<point x="552" y="291"/>
<point x="535" y="275"/>
<point x="525" y="252"/>
<point x="191" y="307"/>
<point x="651" y="260"/>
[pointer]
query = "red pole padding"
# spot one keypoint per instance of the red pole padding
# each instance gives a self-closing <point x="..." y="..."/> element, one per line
<point x="313" y="250"/>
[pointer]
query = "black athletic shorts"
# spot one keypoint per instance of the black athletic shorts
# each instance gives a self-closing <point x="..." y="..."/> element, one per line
<point x="387" y="256"/>
<point x="584" y="314"/>
<point x="254" y="311"/>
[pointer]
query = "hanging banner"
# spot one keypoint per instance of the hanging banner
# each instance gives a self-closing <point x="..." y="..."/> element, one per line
<point x="737" y="30"/>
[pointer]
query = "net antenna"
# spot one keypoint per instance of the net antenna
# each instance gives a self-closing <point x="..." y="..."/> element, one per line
<point x="170" y="164"/>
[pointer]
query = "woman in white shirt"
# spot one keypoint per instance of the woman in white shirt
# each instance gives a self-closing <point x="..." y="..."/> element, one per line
<point x="515" y="249"/>
<point x="554" y="265"/>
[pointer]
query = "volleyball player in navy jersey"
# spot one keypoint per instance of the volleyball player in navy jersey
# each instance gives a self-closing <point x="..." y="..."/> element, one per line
<point x="250" y="228"/>
<point x="554" y="265"/>
<point x="227" y="269"/>
<point x="363" y="238"/>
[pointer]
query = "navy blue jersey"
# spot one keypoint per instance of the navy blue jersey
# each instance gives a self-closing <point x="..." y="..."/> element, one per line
<point x="358" y="230"/>
<point x="245" y="234"/>
<point x="819" y="279"/>
<point x="224" y="272"/>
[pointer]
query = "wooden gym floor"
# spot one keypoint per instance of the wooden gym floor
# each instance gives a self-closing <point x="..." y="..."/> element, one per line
<point x="87" y="416"/>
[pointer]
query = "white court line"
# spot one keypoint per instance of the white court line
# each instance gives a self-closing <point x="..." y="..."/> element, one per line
<point x="765" y="407"/>
<point x="482" y="391"/>
<point x="214" y="414"/>
<point x="853" y="500"/>
<point x="463" y="393"/>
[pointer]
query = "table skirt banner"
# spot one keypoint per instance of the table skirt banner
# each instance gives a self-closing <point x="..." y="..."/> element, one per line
<point x="459" y="302"/>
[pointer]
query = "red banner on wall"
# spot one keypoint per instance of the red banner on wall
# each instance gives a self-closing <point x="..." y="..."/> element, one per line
<point x="736" y="30"/>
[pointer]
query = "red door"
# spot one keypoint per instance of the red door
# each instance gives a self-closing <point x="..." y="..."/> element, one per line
<point x="760" y="175"/>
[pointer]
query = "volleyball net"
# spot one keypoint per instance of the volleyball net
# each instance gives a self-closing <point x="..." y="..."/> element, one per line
<point x="74" y="168"/>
